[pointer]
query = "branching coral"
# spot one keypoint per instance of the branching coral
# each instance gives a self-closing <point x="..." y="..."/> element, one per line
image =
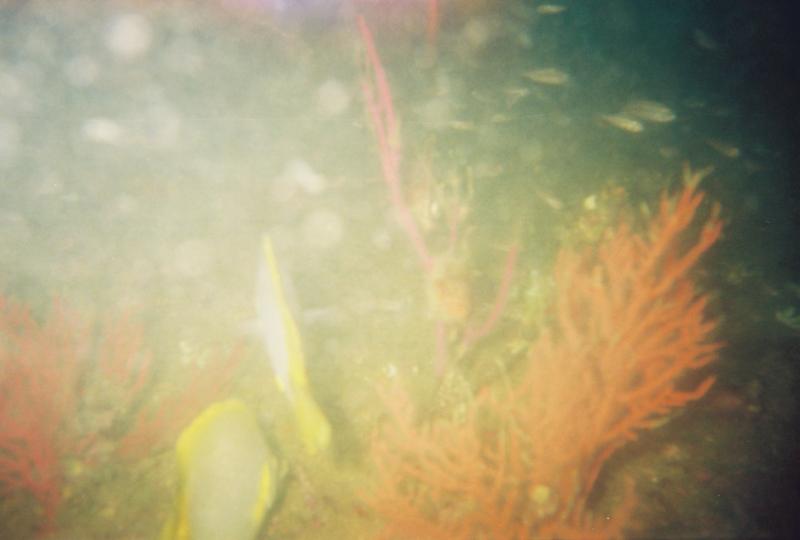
<point x="628" y="328"/>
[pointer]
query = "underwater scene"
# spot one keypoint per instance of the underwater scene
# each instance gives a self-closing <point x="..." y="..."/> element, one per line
<point x="398" y="269"/>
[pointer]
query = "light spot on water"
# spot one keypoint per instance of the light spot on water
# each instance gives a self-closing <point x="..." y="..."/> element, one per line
<point x="129" y="36"/>
<point x="322" y="229"/>
<point x="81" y="71"/>
<point x="124" y="205"/>
<point x="10" y="87"/>
<point x="332" y="98"/>
<point x="102" y="130"/>
<point x="307" y="178"/>
<point x="476" y="33"/>
<point x="297" y="175"/>
<point x="192" y="258"/>
<point x="381" y="239"/>
<point x="9" y="141"/>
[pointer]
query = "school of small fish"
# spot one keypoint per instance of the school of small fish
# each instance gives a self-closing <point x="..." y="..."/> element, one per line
<point x="634" y="116"/>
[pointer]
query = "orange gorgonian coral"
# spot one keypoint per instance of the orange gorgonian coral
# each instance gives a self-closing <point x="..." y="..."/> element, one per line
<point x="628" y="327"/>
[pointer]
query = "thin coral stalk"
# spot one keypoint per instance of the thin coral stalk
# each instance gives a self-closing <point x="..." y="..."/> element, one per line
<point x="384" y="122"/>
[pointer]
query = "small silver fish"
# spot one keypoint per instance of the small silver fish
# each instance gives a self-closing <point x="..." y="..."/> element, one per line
<point x="625" y="123"/>
<point x="650" y="111"/>
<point x="461" y="125"/>
<point x="500" y="118"/>
<point x="550" y="76"/>
<point x="514" y="94"/>
<point x="726" y="149"/>
<point x="549" y="199"/>
<point x="550" y="9"/>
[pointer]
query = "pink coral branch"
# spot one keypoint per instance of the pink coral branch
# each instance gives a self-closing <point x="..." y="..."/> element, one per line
<point x="380" y="108"/>
<point x="384" y="123"/>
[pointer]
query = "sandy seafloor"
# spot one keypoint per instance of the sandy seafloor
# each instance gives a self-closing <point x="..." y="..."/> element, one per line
<point x="145" y="148"/>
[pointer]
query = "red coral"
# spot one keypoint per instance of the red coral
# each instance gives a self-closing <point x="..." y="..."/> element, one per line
<point x="47" y="371"/>
<point x="522" y="462"/>
<point x="39" y="369"/>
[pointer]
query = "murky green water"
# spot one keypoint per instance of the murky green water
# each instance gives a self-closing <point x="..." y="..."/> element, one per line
<point x="145" y="149"/>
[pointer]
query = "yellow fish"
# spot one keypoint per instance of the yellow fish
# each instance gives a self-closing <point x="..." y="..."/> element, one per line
<point x="281" y="337"/>
<point x="228" y="476"/>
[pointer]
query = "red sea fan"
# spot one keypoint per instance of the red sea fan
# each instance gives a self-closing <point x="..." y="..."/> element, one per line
<point x="628" y="326"/>
<point x="45" y="368"/>
<point x="39" y="369"/>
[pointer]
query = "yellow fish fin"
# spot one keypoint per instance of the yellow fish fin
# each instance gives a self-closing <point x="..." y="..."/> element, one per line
<point x="266" y="491"/>
<point x="313" y="427"/>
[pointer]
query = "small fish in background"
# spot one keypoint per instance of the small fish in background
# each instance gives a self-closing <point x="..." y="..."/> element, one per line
<point x="649" y="111"/>
<point x="550" y="9"/>
<point x="625" y="123"/>
<point x="514" y="94"/>
<point x="549" y="199"/>
<point x="228" y="476"/>
<point x="550" y="76"/>
<point x="278" y="330"/>
<point x="726" y="149"/>
<point x="704" y="41"/>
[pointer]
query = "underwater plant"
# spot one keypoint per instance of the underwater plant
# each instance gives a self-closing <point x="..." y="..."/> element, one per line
<point x="629" y="331"/>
